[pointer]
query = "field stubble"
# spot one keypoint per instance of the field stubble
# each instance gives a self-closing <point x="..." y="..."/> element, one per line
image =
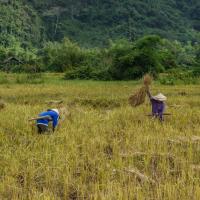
<point x="105" y="149"/>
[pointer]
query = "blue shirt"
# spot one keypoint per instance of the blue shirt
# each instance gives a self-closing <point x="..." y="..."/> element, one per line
<point x="54" y="116"/>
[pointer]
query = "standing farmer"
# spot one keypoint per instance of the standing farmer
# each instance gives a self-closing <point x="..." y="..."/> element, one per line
<point x="46" y="117"/>
<point x="158" y="105"/>
<point x="157" y="102"/>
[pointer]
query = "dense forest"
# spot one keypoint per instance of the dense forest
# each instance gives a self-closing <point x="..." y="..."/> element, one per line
<point x="99" y="39"/>
<point x="94" y="22"/>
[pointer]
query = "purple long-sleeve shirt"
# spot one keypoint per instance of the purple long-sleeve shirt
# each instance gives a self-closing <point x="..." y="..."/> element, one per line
<point x="158" y="107"/>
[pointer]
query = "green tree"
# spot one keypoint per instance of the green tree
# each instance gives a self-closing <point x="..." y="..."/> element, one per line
<point x="133" y="61"/>
<point x="62" y="56"/>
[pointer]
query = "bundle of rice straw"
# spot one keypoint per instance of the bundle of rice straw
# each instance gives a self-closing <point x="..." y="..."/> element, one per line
<point x="139" y="97"/>
<point x="147" y="80"/>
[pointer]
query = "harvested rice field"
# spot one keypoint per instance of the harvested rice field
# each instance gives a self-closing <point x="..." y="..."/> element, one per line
<point x="104" y="149"/>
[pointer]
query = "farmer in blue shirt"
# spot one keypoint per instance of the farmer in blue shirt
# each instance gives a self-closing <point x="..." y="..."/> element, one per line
<point x="46" y="117"/>
<point x="158" y="105"/>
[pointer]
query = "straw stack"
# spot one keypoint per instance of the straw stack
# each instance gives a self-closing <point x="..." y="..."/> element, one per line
<point x="139" y="97"/>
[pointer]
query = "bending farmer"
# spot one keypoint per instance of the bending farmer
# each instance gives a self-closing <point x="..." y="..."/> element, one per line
<point x="45" y="118"/>
<point x="158" y="105"/>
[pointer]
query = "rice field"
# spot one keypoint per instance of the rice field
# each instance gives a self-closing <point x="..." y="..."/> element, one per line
<point x="105" y="149"/>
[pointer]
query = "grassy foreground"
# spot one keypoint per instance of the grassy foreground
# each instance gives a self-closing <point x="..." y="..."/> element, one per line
<point x="105" y="149"/>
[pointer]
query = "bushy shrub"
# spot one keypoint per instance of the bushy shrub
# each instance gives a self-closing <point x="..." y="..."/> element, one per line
<point x="87" y="73"/>
<point x="167" y="80"/>
<point x="102" y="74"/>
<point x="176" y="76"/>
<point x="62" y="56"/>
<point x="83" y="72"/>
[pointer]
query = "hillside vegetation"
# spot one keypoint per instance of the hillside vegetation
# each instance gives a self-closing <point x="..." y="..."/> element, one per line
<point x="104" y="40"/>
<point x="93" y="23"/>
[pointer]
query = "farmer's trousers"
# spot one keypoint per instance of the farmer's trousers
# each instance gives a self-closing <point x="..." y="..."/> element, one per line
<point x="42" y="128"/>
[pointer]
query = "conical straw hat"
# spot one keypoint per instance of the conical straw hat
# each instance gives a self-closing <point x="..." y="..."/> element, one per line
<point x="160" y="97"/>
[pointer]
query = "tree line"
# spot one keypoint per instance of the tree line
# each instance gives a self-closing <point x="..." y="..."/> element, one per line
<point x="120" y="60"/>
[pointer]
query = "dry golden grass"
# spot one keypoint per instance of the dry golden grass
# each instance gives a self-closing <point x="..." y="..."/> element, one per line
<point x="99" y="151"/>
